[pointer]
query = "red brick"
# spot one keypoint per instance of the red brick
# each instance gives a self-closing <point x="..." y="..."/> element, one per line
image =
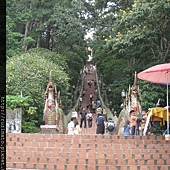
<point x="9" y="164"/>
<point x="81" y="167"/>
<point x="144" y="167"/>
<point x="33" y="160"/>
<point x="150" y="162"/>
<point x="91" y="161"/>
<point x="147" y="156"/>
<point x="47" y="153"/>
<point x="49" y="166"/>
<point x="55" y="154"/>
<point x="40" y="165"/>
<point x="42" y="160"/>
<point x="165" y="167"/>
<point x="82" y="161"/>
<point x="131" y="162"/>
<point x="111" y="162"/>
<point x="19" y="153"/>
<point x="29" y="154"/>
<point x="72" y="161"/>
<point x="43" y="144"/>
<point x="14" y="158"/>
<point x="100" y="155"/>
<point x="101" y="161"/>
<point x="121" y="161"/>
<point x="138" y="156"/>
<point x="128" y="156"/>
<point x="140" y="162"/>
<point x="29" y="165"/>
<point x="160" y="162"/>
<point x="91" y="167"/>
<point x="9" y="152"/>
<point x="102" y="167"/>
<point x="62" y="160"/>
<point x="20" y="165"/>
<point x="152" y="167"/>
<point x="119" y="155"/>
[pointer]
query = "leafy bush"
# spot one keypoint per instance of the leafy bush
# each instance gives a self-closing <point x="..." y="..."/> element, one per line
<point x="13" y="102"/>
<point x="29" y="73"/>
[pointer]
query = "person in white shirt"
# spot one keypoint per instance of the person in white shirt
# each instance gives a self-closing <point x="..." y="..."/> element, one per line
<point x="74" y="114"/>
<point x="89" y="119"/>
<point x="77" y="128"/>
<point x="70" y="127"/>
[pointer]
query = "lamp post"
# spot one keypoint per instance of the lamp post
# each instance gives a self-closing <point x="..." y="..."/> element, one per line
<point x="123" y="95"/>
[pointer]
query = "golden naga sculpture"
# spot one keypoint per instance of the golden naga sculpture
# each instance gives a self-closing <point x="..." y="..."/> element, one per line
<point x="132" y="102"/>
<point x="52" y="104"/>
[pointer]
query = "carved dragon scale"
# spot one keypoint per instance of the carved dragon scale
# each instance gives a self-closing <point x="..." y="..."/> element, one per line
<point x="52" y="105"/>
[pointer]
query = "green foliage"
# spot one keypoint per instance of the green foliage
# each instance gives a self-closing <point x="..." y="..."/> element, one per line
<point x="129" y="36"/>
<point x="151" y="93"/>
<point x="29" y="114"/>
<point x="30" y="127"/>
<point x="13" y="39"/>
<point x="13" y="102"/>
<point x="136" y="39"/>
<point x="30" y="74"/>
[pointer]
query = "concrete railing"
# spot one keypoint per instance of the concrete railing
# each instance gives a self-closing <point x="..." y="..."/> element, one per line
<point x="68" y="116"/>
<point x="109" y="113"/>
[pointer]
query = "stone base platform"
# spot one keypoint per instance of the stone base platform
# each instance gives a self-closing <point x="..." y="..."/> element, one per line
<point x="49" y="129"/>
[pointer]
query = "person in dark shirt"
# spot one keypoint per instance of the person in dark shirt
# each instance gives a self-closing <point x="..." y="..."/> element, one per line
<point x="100" y="122"/>
<point x="83" y="117"/>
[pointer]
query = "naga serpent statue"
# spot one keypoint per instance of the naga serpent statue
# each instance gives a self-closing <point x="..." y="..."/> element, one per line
<point x="132" y="102"/>
<point x="52" y="110"/>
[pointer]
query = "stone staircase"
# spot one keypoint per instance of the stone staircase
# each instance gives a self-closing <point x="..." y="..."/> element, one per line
<point x="91" y="76"/>
<point x="86" y="152"/>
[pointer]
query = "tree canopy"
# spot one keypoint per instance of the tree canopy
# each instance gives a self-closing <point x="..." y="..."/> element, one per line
<point x="128" y="36"/>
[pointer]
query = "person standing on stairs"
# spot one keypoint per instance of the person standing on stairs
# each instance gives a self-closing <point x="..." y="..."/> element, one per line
<point x="70" y="127"/>
<point x="100" y="122"/>
<point x="77" y="129"/>
<point x="84" y="92"/>
<point x="87" y="105"/>
<point x="90" y="83"/>
<point x="104" y="114"/>
<point x="74" y="114"/>
<point x="127" y="128"/>
<point x="94" y="106"/>
<point x="133" y="119"/>
<point x="99" y="111"/>
<point x="91" y="97"/>
<point x="89" y="119"/>
<point x="83" y="114"/>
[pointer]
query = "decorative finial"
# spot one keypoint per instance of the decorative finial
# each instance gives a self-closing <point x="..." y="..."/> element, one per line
<point x="135" y="79"/>
<point x="50" y="76"/>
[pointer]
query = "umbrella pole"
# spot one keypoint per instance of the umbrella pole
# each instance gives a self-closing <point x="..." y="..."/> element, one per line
<point x="167" y="112"/>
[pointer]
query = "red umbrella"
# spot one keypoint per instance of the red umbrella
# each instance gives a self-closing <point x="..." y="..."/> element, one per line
<point x="159" y="74"/>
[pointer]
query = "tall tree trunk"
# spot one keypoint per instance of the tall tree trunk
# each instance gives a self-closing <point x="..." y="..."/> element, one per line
<point x="25" y="45"/>
<point x="39" y="36"/>
<point x="38" y="40"/>
<point x="47" y="45"/>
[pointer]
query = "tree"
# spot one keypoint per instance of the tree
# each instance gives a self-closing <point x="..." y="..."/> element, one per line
<point x="30" y="74"/>
<point x="132" y="32"/>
